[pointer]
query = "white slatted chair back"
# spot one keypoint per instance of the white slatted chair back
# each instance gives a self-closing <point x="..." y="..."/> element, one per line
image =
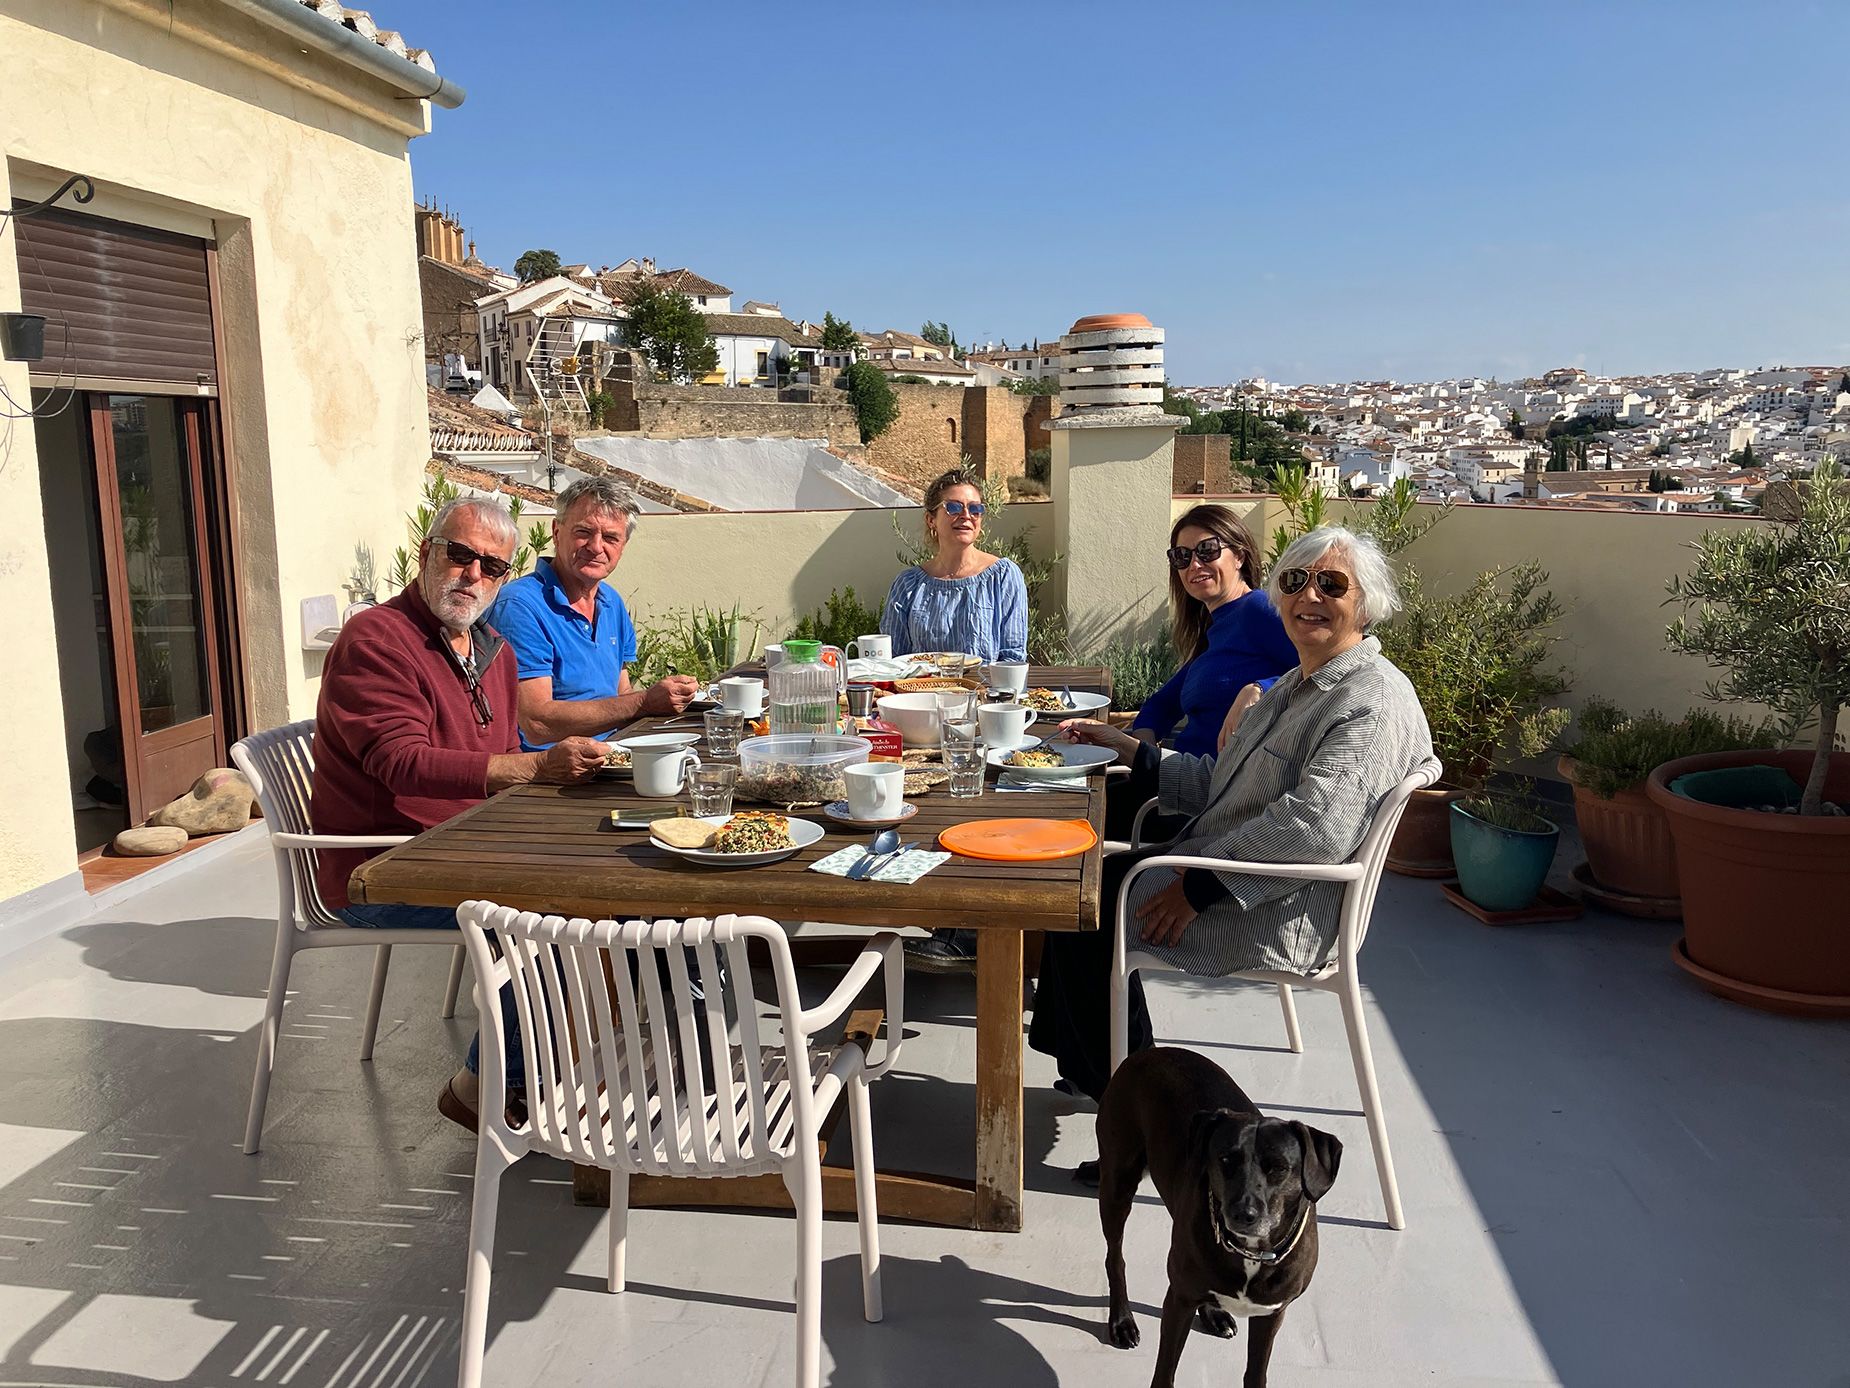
<point x="280" y="765"/>
<point x="1359" y="899"/>
<point x="665" y="1090"/>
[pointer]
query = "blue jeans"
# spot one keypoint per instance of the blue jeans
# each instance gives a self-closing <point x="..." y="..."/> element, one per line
<point x="386" y="915"/>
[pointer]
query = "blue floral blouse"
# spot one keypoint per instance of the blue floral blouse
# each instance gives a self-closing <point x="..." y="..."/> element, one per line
<point x="984" y="615"/>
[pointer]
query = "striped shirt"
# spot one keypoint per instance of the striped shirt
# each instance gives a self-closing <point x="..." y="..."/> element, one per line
<point x="1299" y="783"/>
<point x="984" y="615"/>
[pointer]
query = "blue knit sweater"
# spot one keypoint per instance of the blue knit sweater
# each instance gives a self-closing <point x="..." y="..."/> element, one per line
<point x="1246" y="645"/>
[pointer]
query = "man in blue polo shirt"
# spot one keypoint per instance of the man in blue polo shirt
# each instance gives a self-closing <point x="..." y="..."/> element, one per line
<point x="571" y="634"/>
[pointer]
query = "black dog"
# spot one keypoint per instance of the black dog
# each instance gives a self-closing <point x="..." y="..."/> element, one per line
<point x="1241" y="1190"/>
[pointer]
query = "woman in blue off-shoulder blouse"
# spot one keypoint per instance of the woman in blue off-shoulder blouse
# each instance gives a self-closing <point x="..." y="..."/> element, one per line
<point x="960" y="599"/>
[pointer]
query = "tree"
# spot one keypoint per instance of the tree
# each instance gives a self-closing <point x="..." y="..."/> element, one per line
<point x="1035" y="385"/>
<point x="666" y="328"/>
<point x="1744" y="458"/>
<point x="838" y="334"/>
<point x="875" y="406"/>
<point x="1294" y="421"/>
<point x="1515" y="425"/>
<point x="534" y="266"/>
<point x="1180" y="405"/>
<point x="940" y="335"/>
<point x="1764" y="604"/>
<point x="1656" y="481"/>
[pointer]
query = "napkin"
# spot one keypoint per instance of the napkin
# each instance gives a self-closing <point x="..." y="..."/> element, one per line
<point x="869" y="669"/>
<point x="903" y="868"/>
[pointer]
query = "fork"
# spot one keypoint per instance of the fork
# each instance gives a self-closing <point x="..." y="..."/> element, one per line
<point x="874" y="864"/>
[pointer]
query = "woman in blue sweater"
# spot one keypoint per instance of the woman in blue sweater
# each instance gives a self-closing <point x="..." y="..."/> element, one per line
<point x="1223" y="627"/>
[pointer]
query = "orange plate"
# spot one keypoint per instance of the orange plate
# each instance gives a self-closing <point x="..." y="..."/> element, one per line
<point x="1019" y="840"/>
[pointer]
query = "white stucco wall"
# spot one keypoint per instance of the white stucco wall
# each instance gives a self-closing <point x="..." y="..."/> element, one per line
<point x="744" y="474"/>
<point x="194" y="117"/>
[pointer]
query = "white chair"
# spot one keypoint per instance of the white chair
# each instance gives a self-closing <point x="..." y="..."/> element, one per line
<point x="1362" y="876"/>
<point x="632" y="1095"/>
<point x="280" y="765"/>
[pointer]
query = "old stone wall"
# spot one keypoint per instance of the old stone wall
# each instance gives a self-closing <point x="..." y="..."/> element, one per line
<point x="1203" y="464"/>
<point x="994" y="431"/>
<point x="927" y="438"/>
<point x="687" y="412"/>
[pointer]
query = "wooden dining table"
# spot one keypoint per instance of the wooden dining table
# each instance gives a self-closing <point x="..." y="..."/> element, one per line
<point x="550" y="848"/>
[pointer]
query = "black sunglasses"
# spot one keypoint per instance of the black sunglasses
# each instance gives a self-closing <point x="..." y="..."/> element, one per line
<point x="958" y="508"/>
<point x="1207" y="552"/>
<point x="462" y="557"/>
<point x="1332" y="583"/>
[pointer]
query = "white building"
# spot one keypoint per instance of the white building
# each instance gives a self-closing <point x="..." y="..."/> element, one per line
<point x="525" y="329"/>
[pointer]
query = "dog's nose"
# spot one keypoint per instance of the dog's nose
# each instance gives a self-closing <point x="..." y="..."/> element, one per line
<point x="1247" y="1210"/>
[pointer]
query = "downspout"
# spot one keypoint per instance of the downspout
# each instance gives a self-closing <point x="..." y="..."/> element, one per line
<point x="314" y="30"/>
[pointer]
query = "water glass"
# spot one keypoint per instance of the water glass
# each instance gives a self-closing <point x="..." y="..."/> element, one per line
<point x="960" y="731"/>
<point x="723" y="728"/>
<point x="951" y="665"/>
<point x="710" y="789"/>
<point x="957" y="705"/>
<point x="965" y="761"/>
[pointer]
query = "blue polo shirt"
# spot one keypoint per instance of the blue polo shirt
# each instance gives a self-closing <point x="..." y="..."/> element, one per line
<point x="552" y="640"/>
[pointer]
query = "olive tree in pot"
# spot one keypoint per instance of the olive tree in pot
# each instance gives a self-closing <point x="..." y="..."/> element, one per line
<point x="1766" y="895"/>
<point x="1631" y="859"/>
<point x="1480" y="662"/>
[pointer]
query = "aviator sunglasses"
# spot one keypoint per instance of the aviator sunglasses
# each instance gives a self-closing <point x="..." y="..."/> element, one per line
<point x="462" y="557"/>
<point x="1207" y="552"/>
<point x="1332" y="583"/>
<point x="959" y="508"/>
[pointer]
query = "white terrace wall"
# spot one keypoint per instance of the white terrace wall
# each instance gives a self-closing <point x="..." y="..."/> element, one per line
<point x="782" y="563"/>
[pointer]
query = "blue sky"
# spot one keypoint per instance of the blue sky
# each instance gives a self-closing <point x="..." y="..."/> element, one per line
<point x="1307" y="192"/>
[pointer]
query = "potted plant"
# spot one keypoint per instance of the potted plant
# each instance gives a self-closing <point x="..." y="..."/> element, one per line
<point x="1631" y="859"/>
<point x="1766" y="894"/>
<point x="1503" y="846"/>
<point x="1480" y="663"/>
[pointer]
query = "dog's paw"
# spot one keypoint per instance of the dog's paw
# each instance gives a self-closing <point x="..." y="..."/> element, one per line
<point x="1214" y="1320"/>
<point x="1122" y="1331"/>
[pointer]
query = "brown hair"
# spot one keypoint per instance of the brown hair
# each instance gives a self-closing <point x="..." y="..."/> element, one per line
<point x="1188" y="616"/>
<point x="956" y="477"/>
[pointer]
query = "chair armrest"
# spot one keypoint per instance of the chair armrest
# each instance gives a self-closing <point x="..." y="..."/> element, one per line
<point x="1144" y="811"/>
<point x="884" y="948"/>
<point x="1305" y="872"/>
<point x="339" y="840"/>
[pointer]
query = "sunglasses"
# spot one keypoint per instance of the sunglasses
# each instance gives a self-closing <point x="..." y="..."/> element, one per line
<point x="1332" y="583"/>
<point x="961" y="508"/>
<point x="1207" y="552"/>
<point x="462" y="557"/>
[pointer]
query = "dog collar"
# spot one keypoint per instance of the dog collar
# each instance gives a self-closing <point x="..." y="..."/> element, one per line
<point x="1269" y="1256"/>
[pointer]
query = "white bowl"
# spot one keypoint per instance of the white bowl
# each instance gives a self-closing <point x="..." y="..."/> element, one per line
<point x="915" y="715"/>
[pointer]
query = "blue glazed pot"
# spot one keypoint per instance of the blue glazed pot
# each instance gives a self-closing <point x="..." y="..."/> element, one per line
<point x="1500" y="869"/>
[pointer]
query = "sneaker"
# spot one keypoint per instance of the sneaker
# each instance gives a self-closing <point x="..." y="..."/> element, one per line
<point x="944" y="951"/>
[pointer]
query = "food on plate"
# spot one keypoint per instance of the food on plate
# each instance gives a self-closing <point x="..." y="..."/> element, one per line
<point x="1036" y="756"/>
<point x="753" y="831"/>
<point x="615" y="756"/>
<point x="684" y="832"/>
<point x="1045" y="701"/>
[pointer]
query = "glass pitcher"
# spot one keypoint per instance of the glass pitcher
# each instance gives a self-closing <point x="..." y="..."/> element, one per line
<point x="805" y="688"/>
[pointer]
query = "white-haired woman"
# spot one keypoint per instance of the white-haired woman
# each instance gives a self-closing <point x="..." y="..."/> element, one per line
<point x="1298" y="782"/>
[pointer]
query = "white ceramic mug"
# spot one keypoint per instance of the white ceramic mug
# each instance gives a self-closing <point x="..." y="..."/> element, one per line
<point x="876" y="790"/>
<point x="1010" y="677"/>
<point x="742" y="695"/>
<point x="871" y="647"/>
<point x="773" y="655"/>
<point x="1005" y="725"/>
<point x="660" y="768"/>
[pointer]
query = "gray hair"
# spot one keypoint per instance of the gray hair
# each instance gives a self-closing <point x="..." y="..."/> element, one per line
<point x="491" y="513"/>
<point x="605" y="494"/>
<point x="1374" y="575"/>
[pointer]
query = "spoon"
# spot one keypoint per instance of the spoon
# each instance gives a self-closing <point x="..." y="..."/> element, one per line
<point x="885" y="844"/>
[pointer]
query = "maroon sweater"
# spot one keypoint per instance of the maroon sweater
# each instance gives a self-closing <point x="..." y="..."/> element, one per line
<point x="398" y="745"/>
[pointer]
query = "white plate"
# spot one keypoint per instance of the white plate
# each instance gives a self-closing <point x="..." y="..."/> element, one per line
<point x="1078" y="758"/>
<point x="838" y="810"/>
<point x="1084" y="705"/>
<point x="803" y="833"/>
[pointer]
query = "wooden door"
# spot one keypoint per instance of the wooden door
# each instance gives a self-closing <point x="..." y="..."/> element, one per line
<point x="149" y="452"/>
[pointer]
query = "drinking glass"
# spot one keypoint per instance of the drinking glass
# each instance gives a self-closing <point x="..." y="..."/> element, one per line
<point x="965" y="762"/>
<point x="951" y="666"/>
<point x="957" y="705"/>
<point x="960" y="731"/>
<point x="723" y="728"/>
<point x="710" y="789"/>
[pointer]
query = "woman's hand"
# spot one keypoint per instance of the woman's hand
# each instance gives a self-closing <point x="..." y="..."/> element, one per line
<point x="1099" y="734"/>
<point x="1165" y="916"/>
<point x="1245" y="699"/>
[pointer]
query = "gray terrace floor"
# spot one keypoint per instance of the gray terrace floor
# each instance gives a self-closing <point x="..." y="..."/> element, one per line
<point x="1610" y="1177"/>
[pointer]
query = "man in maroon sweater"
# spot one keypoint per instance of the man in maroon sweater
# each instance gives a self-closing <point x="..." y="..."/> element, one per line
<point x="416" y="723"/>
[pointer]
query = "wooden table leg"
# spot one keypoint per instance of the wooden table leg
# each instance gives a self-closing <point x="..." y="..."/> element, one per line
<point x="999" y="1134"/>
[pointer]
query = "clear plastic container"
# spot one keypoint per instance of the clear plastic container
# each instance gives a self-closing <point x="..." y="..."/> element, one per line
<point x="804" y="690"/>
<point x="798" y="768"/>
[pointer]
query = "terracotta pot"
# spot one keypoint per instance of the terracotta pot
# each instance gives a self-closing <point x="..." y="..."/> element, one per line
<point x="1105" y="322"/>
<point x="1422" y="845"/>
<point x="1766" y="897"/>
<point x="1627" y="839"/>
